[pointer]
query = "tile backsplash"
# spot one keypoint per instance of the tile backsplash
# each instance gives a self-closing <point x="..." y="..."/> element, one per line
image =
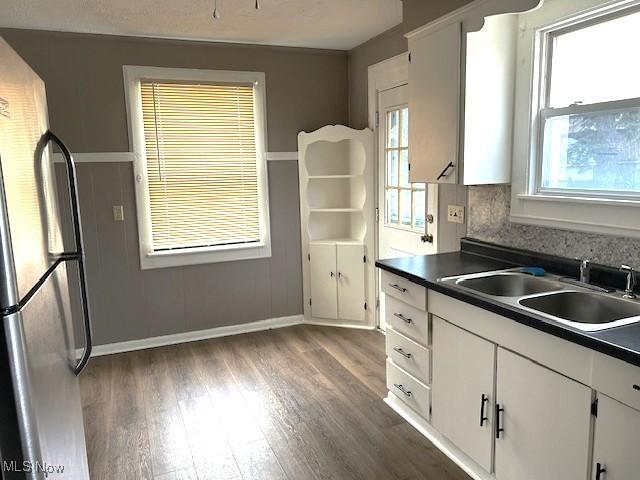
<point x="488" y="220"/>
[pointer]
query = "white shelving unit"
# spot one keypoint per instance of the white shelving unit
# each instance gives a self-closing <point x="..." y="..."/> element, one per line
<point x="337" y="221"/>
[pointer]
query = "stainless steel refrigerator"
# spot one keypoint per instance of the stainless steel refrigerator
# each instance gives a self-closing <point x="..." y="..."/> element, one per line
<point x="41" y="428"/>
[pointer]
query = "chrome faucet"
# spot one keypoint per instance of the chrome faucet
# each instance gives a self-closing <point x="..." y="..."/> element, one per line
<point x="631" y="281"/>
<point x="585" y="271"/>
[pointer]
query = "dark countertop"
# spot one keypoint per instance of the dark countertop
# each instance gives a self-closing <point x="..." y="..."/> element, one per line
<point x="621" y="342"/>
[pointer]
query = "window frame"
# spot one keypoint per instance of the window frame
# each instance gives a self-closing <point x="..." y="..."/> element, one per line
<point x="591" y="211"/>
<point x="149" y="259"/>
<point x="546" y="112"/>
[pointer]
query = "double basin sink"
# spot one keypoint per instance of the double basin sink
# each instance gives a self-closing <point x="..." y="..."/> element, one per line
<point x="553" y="298"/>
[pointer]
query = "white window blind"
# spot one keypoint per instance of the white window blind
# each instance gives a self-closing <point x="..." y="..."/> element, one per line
<point x="200" y="142"/>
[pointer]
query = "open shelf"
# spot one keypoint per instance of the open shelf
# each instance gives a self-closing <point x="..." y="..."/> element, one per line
<point x="325" y="225"/>
<point x="345" y="157"/>
<point x="319" y="177"/>
<point x="330" y="193"/>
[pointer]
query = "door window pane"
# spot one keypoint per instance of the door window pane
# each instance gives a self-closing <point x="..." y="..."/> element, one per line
<point x="393" y="126"/>
<point x="419" y="209"/>
<point x="404" y="169"/>
<point x="404" y="127"/>
<point x="405" y="207"/>
<point x="392" y="206"/>
<point x="392" y="168"/>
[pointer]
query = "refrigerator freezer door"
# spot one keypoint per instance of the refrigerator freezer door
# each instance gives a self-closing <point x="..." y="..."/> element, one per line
<point x="29" y="183"/>
<point x="47" y="393"/>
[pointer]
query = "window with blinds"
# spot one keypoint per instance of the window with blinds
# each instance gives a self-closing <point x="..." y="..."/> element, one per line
<point x="201" y="162"/>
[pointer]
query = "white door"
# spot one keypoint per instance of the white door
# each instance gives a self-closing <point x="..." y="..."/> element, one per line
<point x="402" y="206"/>
<point x="615" y="451"/>
<point x="462" y="393"/>
<point x="544" y="423"/>
<point x="351" y="292"/>
<point x="322" y="275"/>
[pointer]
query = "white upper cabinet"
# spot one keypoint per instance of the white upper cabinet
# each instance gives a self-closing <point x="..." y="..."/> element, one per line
<point x="434" y="96"/>
<point x="461" y="95"/>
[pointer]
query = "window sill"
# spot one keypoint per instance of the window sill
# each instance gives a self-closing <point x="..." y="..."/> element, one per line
<point x="592" y="215"/>
<point x="200" y="256"/>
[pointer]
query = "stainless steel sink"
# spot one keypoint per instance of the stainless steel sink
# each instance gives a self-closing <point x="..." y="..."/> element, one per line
<point x="509" y="284"/>
<point x="572" y="304"/>
<point x="590" y="309"/>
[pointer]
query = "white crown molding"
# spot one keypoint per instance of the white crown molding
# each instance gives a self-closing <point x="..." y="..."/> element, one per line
<point x="144" y="343"/>
<point x="98" y="157"/>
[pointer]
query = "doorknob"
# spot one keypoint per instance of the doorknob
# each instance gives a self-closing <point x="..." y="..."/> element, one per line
<point x="428" y="238"/>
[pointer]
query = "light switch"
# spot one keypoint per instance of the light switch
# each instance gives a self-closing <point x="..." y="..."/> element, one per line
<point x="118" y="213"/>
<point x="455" y="214"/>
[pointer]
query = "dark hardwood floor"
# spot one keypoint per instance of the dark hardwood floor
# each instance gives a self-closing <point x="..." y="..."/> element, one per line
<point x="296" y="403"/>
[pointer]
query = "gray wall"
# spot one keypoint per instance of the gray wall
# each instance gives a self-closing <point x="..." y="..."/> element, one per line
<point x="386" y="45"/>
<point x="488" y="220"/>
<point x="83" y="73"/>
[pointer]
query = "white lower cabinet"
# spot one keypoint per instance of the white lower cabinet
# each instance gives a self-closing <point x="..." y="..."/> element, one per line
<point x="542" y="422"/>
<point x="504" y="415"/>
<point x="617" y="436"/>
<point x="408" y="389"/>
<point x="463" y="384"/>
<point x="337" y="280"/>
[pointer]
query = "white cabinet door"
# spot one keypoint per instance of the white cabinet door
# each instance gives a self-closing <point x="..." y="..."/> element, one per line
<point x="434" y="103"/>
<point x="322" y="273"/>
<point x="462" y="389"/>
<point x="351" y="288"/>
<point x="545" y="422"/>
<point x="616" y="442"/>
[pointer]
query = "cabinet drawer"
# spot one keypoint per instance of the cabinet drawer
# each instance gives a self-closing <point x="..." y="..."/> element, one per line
<point x="408" y="389"/>
<point x="617" y="379"/>
<point x="408" y="355"/>
<point x="407" y="320"/>
<point x="402" y="289"/>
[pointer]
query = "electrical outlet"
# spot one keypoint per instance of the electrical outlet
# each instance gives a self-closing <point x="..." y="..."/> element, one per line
<point x="455" y="214"/>
<point x="118" y="213"/>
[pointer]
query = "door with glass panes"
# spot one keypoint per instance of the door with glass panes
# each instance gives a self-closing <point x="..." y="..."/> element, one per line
<point x="402" y="206"/>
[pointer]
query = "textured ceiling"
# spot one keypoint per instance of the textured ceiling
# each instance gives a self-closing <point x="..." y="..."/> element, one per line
<point x="336" y="24"/>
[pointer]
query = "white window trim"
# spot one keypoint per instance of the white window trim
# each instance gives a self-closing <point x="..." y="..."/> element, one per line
<point x="148" y="258"/>
<point x="612" y="216"/>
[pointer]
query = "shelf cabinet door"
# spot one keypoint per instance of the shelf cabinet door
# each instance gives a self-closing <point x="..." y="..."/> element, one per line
<point x="463" y="376"/>
<point x="351" y="282"/>
<point x="324" y="287"/>
<point x="616" y="441"/>
<point x="546" y="422"/>
<point x="434" y="103"/>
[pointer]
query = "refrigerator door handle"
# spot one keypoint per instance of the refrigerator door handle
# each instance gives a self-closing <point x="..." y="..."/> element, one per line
<point x="78" y="255"/>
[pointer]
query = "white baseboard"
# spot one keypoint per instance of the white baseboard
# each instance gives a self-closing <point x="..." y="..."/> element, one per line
<point x="142" y="344"/>
<point x="458" y="457"/>
<point x="338" y="324"/>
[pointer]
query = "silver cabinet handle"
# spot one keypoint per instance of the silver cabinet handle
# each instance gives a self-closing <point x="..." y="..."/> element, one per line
<point x="398" y="287"/>
<point x="402" y="352"/>
<point x="403" y="318"/>
<point x="400" y="387"/>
